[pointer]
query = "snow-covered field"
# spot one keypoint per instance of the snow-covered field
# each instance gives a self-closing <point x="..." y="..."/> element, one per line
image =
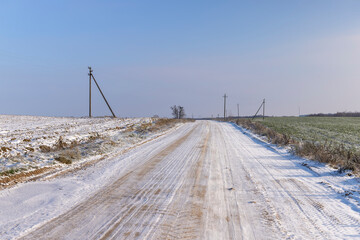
<point x="28" y="142"/>
<point x="28" y="204"/>
<point x="202" y="180"/>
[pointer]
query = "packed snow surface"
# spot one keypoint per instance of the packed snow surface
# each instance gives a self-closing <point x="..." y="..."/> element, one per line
<point x="202" y="180"/>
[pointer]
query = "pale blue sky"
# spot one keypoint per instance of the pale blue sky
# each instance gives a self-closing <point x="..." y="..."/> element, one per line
<point x="149" y="55"/>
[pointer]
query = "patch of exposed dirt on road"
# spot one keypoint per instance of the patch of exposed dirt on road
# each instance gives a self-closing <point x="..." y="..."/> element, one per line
<point x="184" y="216"/>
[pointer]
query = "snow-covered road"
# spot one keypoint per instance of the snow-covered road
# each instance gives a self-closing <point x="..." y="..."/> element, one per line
<point x="206" y="180"/>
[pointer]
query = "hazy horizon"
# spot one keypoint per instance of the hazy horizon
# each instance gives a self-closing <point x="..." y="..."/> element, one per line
<point x="148" y="56"/>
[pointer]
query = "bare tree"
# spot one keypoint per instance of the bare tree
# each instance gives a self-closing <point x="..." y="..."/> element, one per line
<point x="181" y="112"/>
<point x="178" y="112"/>
<point x="175" y="111"/>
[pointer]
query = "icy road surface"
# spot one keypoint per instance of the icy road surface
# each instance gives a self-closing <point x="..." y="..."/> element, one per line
<point x="206" y="180"/>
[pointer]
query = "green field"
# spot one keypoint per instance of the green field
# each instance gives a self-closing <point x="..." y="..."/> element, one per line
<point x="335" y="130"/>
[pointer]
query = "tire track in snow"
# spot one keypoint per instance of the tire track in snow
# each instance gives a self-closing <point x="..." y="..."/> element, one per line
<point x="270" y="181"/>
<point x="132" y="209"/>
<point x="146" y="212"/>
<point x="186" y="222"/>
<point x="238" y="228"/>
<point x="294" y="195"/>
<point x="337" y="219"/>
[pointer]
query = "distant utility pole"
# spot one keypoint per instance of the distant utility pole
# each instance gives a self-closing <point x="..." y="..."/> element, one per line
<point x="225" y="105"/>
<point x="238" y="110"/>
<point x="92" y="76"/>
<point x="264" y="109"/>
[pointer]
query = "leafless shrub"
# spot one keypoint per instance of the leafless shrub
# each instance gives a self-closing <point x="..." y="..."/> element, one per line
<point x="143" y="128"/>
<point x="72" y="153"/>
<point x="60" y="144"/>
<point x="94" y="136"/>
<point x="63" y="160"/>
<point x="45" y="148"/>
<point x="68" y="156"/>
<point x="73" y="144"/>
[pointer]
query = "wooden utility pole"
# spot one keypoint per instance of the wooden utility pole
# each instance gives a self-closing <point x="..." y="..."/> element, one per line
<point x="238" y="110"/>
<point x="261" y="106"/>
<point x="225" y="106"/>
<point x="90" y="74"/>
<point x="264" y="109"/>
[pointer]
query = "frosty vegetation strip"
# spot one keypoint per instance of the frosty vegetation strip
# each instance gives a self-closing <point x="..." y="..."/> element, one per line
<point x="327" y="140"/>
<point x="337" y="130"/>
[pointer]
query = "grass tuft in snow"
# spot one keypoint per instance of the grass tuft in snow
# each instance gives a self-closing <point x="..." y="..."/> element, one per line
<point x="10" y="172"/>
<point x="63" y="159"/>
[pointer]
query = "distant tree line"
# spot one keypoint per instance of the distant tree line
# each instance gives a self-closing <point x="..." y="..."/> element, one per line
<point x="178" y="112"/>
<point x="338" y="114"/>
